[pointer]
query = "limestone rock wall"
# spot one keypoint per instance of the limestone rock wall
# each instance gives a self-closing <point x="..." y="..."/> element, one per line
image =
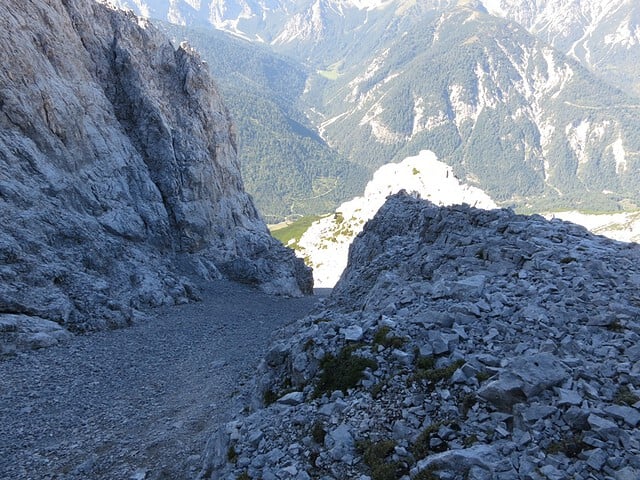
<point x="118" y="171"/>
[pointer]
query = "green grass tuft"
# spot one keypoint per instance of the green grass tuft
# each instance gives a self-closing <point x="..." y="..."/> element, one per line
<point x="375" y="456"/>
<point x="295" y="230"/>
<point x="232" y="455"/>
<point x="484" y="375"/>
<point x="570" y="446"/>
<point x="426" y="474"/>
<point x="342" y="372"/>
<point x="318" y="432"/>
<point x="624" y="396"/>
<point x="435" y="375"/>
<point x="381" y="337"/>
<point x="422" y="446"/>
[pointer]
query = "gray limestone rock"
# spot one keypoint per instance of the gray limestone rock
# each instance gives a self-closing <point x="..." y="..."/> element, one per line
<point x="629" y="415"/>
<point x="119" y="172"/>
<point x="293" y="398"/>
<point x="497" y="371"/>
<point x="22" y="332"/>
<point x="538" y="372"/>
<point x="460" y="461"/>
<point x="596" y="459"/>
<point x="599" y="423"/>
<point x="627" y="473"/>
<point x="569" y="397"/>
<point x="340" y="443"/>
<point x="504" y="392"/>
<point x="353" y="333"/>
<point x="524" y="378"/>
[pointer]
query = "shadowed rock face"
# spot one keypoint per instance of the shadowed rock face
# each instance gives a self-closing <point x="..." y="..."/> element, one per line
<point x="118" y="169"/>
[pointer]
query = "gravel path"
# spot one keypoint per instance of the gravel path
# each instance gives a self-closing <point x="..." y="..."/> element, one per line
<point x="136" y="403"/>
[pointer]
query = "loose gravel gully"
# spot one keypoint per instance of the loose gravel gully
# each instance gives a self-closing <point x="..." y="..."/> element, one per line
<point x="136" y="403"/>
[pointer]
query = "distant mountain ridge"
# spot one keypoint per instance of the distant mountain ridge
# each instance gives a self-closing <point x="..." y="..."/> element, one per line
<point x="524" y="119"/>
<point x="497" y="104"/>
<point x="603" y="36"/>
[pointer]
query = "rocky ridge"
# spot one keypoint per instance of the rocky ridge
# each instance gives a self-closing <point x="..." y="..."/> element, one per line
<point x="459" y="343"/>
<point x="325" y="244"/>
<point x="118" y="174"/>
<point x="602" y="36"/>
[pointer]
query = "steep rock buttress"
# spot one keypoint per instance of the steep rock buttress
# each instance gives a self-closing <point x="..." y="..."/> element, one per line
<point x="118" y="172"/>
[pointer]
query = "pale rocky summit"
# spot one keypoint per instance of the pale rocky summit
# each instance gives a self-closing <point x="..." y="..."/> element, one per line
<point x="118" y="172"/>
<point x="459" y="343"/>
<point x="325" y="244"/>
<point x="623" y="226"/>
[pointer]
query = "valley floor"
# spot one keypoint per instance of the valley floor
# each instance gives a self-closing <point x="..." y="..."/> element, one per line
<point x="136" y="403"/>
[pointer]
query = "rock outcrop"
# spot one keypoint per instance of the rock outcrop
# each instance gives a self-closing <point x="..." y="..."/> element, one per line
<point x="118" y="172"/>
<point x="459" y="343"/>
<point x="325" y="244"/>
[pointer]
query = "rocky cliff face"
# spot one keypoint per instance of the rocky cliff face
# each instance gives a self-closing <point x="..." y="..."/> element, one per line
<point x="603" y="36"/>
<point x="459" y="343"/>
<point x="118" y="172"/>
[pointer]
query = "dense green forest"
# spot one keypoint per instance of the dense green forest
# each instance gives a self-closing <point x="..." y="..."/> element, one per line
<point x="288" y="169"/>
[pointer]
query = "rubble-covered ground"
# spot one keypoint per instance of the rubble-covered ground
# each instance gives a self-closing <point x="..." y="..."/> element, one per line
<point x="458" y="344"/>
<point x="136" y="403"/>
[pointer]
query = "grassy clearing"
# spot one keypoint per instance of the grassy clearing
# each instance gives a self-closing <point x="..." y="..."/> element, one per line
<point x="295" y="230"/>
<point x="332" y="72"/>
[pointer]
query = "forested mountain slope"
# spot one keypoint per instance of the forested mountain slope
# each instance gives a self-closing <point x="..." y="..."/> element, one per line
<point x="604" y="36"/>
<point x="288" y="168"/>
<point x="516" y="108"/>
<point x="510" y="113"/>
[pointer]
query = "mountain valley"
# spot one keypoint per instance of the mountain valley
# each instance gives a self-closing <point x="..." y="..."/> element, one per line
<point x="263" y="93"/>
<point x="396" y="139"/>
<point x="493" y="98"/>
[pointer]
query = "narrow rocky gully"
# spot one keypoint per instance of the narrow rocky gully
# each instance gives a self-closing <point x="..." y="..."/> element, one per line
<point x="137" y="403"/>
